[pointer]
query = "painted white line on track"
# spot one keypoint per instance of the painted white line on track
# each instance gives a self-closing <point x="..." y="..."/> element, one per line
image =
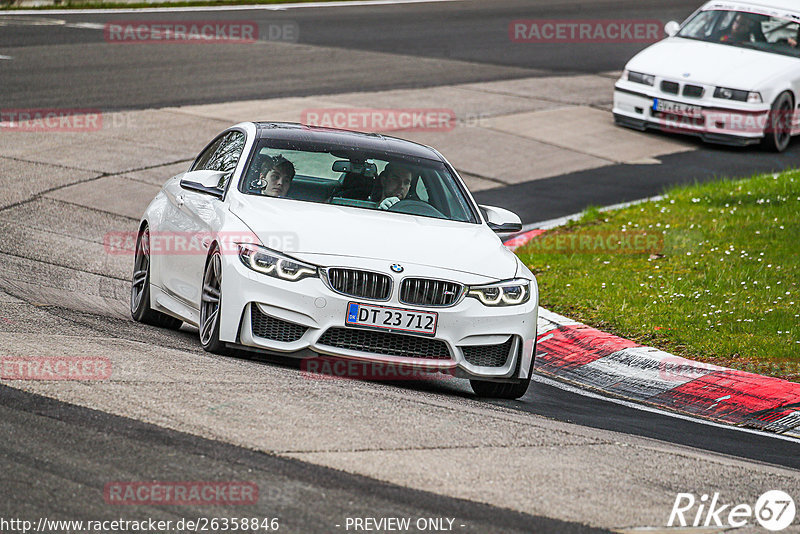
<point x="86" y="25"/>
<point x="254" y="7"/>
<point x="636" y="406"/>
<point x="6" y="57"/>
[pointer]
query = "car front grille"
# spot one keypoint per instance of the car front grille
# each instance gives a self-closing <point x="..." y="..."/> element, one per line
<point x="361" y="284"/>
<point x="385" y="343"/>
<point x="669" y="87"/>
<point x="488" y="355"/>
<point x="274" y="329"/>
<point x="693" y="91"/>
<point x="425" y="292"/>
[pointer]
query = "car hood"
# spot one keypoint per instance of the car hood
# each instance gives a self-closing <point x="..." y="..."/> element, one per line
<point x="711" y="63"/>
<point x="300" y="228"/>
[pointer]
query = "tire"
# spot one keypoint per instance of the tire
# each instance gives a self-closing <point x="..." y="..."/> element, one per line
<point x="211" y="304"/>
<point x="500" y="390"/>
<point x="778" y="132"/>
<point x="140" y="288"/>
<point x="505" y="390"/>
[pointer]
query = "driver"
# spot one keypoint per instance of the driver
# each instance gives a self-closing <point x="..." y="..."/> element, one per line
<point x="395" y="183"/>
<point x="794" y="40"/>
<point x="275" y="177"/>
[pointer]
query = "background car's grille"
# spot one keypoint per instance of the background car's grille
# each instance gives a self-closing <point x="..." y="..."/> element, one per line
<point x="275" y="329"/>
<point x="424" y="292"/>
<point x="385" y="343"/>
<point x="362" y="284"/>
<point x="694" y="91"/>
<point x="488" y="355"/>
<point x="669" y="87"/>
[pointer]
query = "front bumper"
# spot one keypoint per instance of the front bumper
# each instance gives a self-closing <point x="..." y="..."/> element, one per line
<point x="307" y="309"/>
<point x="737" y="126"/>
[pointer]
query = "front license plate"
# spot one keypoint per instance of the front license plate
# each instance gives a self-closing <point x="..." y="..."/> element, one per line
<point x="385" y="318"/>
<point x="676" y="108"/>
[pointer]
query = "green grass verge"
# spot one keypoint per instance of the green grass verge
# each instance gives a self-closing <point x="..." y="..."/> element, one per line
<point x="69" y="4"/>
<point x="718" y="283"/>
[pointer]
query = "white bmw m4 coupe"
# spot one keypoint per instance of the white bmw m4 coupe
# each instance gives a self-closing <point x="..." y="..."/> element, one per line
<point x="730" y="74"/>
<point x="310" y="242"/>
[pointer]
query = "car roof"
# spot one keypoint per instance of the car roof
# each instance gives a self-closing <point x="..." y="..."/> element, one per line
<point x="291" y="131"/>
<point x="788" y="5"/>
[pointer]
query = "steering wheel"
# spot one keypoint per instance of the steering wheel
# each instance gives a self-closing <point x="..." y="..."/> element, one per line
<point x="416" y="207"/>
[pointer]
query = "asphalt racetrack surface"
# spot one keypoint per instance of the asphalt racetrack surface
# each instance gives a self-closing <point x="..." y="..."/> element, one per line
<point x="353" y="49"/>
<point x="63" y="61"/>
<point x="67" y="449"/>
<point x="555" y="461"/>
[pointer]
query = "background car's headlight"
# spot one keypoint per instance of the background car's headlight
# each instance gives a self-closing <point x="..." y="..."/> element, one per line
<point x="638" y="77"/>
<point x="725" y="93"/>
<point x="508" y="293"/>
<point x="273" y="263"/>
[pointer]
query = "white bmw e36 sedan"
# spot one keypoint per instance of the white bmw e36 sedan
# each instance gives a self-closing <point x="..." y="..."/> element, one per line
<point x="729" y="74"/>
<point x="306" y="241"/>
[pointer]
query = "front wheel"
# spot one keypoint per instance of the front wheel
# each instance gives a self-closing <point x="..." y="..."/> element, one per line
<point x="779" y="123"/>
<point x="211" y="305"/>
<point x="500" y="390"/>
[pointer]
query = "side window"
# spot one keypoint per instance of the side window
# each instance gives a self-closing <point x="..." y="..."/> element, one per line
<point x="422" y="191"/>
<point x="222" y="155"/>
<point x="207" y="154"/>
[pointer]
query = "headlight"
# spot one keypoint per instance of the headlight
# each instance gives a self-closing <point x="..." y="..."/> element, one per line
<point x="638" y="77"/>
<point x="273" y="263"/>
<point x="725" y="93"/>
<point x="754" y="97"/>
<point x="508" y="293"/>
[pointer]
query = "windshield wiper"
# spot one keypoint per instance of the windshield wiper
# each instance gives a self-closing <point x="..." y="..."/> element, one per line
<point x="695" y="38"/>
<point x="747" y="44"/>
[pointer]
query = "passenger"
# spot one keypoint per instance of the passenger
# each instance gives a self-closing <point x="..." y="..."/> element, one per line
<point x="395" y="182"/>
<point x="742" y="29"/>
<point x="275" y="177"/>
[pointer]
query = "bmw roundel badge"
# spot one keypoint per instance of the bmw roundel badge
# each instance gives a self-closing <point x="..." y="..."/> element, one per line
<point x="396" y="267"/>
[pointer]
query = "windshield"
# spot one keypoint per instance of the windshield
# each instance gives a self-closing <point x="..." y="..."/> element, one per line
<point x="745" y="29"/>
<point x="355" y="178"/>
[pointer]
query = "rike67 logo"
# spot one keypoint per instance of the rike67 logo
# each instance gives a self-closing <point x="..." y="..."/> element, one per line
<point x="774" y="510"/>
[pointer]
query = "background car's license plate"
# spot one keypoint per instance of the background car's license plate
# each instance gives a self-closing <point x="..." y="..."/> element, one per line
<point x="676" y="108"/>
<point x="387" y="318"/>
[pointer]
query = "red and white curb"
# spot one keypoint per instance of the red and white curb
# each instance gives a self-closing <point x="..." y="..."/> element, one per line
<point x="573" y="352"/>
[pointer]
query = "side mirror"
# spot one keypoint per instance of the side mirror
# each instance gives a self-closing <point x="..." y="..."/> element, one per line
<point x="500" y="220"/>
<point x="672" y="28"/>
<point x="204" y="182"/>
